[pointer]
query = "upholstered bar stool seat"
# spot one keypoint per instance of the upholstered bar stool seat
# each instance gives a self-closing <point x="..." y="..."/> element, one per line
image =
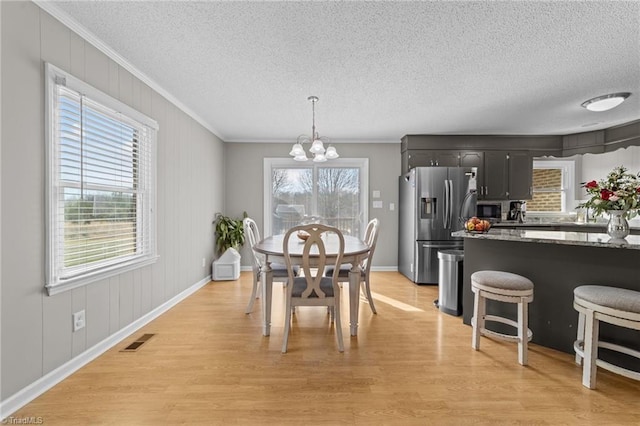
<point x="612" y="305"/>
<point x="503" y="287"/>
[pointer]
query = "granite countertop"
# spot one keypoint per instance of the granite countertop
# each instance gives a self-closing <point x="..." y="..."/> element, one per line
<point x="534" y="223"/>
<point x="591" y="239"/>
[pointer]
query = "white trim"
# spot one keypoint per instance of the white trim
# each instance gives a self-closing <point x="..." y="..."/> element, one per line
<point x="91" y="38"/>
<point x="384" y="268"/>
<point x="55" y="77"/>
<point x="99" y="274"/>
<point x="334" y="141"/>
<point x="568" y="168"/>
<point x="373" y="268"/>
<point x="46" y="382"/>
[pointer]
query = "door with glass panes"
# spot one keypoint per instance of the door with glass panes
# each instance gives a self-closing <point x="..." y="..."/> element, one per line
<point x="331" y="193"/>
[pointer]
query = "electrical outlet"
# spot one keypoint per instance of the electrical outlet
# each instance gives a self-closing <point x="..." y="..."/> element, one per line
<point x="203" y="262"/>
<point x="78" y="320"/>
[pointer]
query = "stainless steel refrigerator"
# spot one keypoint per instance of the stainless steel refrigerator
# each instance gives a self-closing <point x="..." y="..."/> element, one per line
<point x="434" y="202"/>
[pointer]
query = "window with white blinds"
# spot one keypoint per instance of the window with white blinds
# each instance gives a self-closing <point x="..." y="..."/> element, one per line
<point x="101" y="192"/>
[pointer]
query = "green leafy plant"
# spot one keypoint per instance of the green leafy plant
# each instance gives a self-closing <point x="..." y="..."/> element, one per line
<point x="229" y="232"/>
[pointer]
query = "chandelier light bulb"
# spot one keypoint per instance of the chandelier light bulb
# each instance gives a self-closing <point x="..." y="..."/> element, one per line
<point x="331" y="153"/>
<point x="297" y="150"/>
<point x="317" y="147"/>
<point x="319" y="158"/>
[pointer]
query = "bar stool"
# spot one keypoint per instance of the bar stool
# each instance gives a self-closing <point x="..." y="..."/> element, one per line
<point x="503" y="287"/>
<point x="612" y="305"/>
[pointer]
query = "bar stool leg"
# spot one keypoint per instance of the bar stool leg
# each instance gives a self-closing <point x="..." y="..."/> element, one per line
<point x="580" y="336"/>
<point x="479" y="310"/>
<point x="523" y="338"/>
<point x="592" y="328"/>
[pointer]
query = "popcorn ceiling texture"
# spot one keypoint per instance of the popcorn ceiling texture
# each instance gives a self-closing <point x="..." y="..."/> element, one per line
<point x="380" y="69"/>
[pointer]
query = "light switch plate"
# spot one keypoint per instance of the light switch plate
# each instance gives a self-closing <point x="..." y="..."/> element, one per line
<point x="376" y="194"/>
<point x="377" y="204"/>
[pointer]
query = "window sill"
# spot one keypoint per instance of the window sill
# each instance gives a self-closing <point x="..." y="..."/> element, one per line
<point x="67" y="285"/>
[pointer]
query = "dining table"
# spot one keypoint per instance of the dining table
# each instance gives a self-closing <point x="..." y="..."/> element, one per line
<point x="355" y="251"/>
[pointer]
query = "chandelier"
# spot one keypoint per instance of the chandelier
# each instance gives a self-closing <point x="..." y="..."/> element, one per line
<point x="317" y="142"/>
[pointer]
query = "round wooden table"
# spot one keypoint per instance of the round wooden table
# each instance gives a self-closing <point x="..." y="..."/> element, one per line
<point x="355" y="251"/>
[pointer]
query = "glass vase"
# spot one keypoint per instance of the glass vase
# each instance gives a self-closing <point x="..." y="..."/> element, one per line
<point x="618" y="227"/>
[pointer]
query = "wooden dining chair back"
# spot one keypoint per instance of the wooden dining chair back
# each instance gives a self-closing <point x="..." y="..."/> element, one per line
<point x="312" y="288"/>
<point x="371" y="239"/>
<point x="252" y="235"/>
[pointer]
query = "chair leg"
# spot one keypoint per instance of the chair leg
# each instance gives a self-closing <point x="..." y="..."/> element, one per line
<point x="367" y="292"/>
<point x="287" y="325"/>
<point x="338" y="324"/>
<point x="589" y="367"/>
<point x="523" y="336"/>
<point x="478" y="319"/>
<point x="580" y="336"/>
<point x="254" y="293"/>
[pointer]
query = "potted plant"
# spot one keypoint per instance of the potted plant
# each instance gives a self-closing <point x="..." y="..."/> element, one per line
<point x="229" y="232"/>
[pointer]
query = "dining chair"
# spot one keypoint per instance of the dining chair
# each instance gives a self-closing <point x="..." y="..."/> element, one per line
<point x="312" y="288"/>
<point x="371" y="238"/>
<point x="252" y="234"/>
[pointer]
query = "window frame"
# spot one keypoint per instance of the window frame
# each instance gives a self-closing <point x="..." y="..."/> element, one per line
<point x="58" y="277"/>
<point x="567" y="191"/>
<point x="270" y="163"/>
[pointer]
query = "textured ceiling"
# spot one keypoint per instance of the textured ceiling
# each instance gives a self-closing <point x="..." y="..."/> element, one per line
<point x="380" y="69"/>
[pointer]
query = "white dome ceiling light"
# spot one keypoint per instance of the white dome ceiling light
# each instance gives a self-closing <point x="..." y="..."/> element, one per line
<point x="605" y="102"/>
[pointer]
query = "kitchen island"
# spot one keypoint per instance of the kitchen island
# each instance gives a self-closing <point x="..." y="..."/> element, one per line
<point x="556" y="262"/>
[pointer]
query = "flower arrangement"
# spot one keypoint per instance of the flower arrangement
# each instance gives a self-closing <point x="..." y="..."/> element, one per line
<point x="620" y="190"/>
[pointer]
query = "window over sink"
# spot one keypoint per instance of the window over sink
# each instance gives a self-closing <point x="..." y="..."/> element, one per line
<point x="553" y="187"/>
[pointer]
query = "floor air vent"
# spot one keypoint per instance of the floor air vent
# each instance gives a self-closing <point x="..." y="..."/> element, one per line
<point x="138" y="343"/>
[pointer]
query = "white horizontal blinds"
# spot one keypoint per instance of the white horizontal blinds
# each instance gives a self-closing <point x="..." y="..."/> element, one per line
<point x="103" y="186"/>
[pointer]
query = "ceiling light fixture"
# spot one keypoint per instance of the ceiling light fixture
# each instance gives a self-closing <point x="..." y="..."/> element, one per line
<point x="317" y="142"/>
<point x="605" y="102"/>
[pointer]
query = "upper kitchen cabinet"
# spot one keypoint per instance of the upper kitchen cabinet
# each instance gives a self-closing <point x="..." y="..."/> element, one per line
<point x="429" y="158"/>
<point x="467" y="150"/>
<point x="520" y="175"/>
<point x="506" y="175"/>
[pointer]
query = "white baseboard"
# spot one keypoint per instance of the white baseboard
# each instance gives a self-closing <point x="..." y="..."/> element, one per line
<point x="373" y="268"/>
<point x="384" y="268"/>
<point x="46" y="382"/>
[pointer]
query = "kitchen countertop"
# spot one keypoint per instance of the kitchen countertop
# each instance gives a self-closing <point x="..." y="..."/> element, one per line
<point x="536" y="224"/>
<point x="591" y="239"/>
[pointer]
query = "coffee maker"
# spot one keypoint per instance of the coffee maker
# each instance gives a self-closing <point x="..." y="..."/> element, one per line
<point x="517" y="211"/>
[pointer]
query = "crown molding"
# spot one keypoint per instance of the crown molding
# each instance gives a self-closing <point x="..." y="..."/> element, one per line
<point x="91" y="38"/>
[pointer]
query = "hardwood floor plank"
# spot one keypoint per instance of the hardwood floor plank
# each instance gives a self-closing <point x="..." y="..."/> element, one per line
<point x="208" y="363"/>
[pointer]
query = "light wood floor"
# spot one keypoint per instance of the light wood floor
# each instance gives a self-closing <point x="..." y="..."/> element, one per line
<point x="209" y="364"/>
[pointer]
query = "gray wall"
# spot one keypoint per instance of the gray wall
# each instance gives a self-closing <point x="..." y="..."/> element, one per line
<point x="244" y="187"/>
<point x="36" y="328"/>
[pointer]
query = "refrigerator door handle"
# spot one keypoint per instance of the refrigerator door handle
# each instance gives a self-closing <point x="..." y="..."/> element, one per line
<point x="447" y="204"/>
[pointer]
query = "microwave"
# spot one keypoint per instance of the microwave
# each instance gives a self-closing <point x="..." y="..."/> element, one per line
<point x="489" y="211"/>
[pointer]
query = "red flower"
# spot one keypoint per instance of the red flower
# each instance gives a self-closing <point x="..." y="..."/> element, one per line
<point x="593" y="184"/>
<point x="605" y="194"/>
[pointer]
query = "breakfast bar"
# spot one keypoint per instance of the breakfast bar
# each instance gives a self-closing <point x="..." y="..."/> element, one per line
<point x="556" y="262"/>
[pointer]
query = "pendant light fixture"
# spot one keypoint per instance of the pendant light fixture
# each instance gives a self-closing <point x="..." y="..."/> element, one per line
<point x="317" y="142"/>
<point x="605" y="102"/>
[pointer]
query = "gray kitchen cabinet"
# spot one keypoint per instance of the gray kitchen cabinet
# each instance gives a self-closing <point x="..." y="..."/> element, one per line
<point x="430" y="157"/>
<point x="495" y="176"/>
<point x="507" y="175"/>
<point x="520" y="175"/>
